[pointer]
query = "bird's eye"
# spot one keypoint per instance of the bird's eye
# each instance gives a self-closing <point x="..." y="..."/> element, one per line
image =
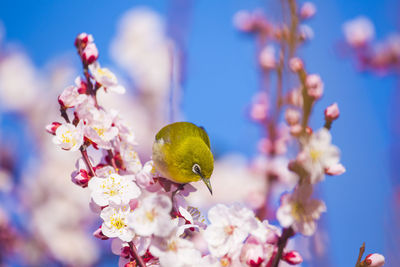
<point x="196" y="168"/>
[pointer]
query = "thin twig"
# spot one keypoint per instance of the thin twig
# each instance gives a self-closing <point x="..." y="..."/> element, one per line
<point x="360" y="254"/>
<point x="286" y="234"/>
<point x="87" y="160"/>
<point x="138" y="259"/>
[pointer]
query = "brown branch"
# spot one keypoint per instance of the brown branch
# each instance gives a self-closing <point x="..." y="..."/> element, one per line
<point x="360" y="254"/>
<point x="87" y="160"/>
<point x="286" y="234"/>
<point x="138" y="259"/>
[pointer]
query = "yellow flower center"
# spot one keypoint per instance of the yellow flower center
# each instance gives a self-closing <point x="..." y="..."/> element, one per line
<point x="151" y="215"/>
<point x="118" y="222"/>
<point x="100" y="131"/>
<point x="225" y="261"/>
<point x="172" y="246"/>
<point x="315" y="154"/>
<point x="229" y="229"/>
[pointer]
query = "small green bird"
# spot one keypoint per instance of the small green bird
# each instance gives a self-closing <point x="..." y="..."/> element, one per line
<point x="181" y="153"/>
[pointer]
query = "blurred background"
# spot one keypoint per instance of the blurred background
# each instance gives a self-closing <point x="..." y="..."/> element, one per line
<point x="185" y="60"/>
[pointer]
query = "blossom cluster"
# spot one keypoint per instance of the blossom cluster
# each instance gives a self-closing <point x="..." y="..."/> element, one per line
<point x="145" y="215"/>
<point x="379" y="56"/>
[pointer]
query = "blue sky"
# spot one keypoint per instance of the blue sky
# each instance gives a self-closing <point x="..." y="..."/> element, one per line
<point x="222" y="78"/>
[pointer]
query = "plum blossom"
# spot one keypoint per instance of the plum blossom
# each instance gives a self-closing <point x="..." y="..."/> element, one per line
<point x="307" y="10"/>
<point x="130" y="157"/>
<point x="106" y="78"/>
<point x="332" y="112"/>
<point x="115" y="189"/>
<point x="99" y="126"/>
<point x="318" y="155"/>
<point x="71" y="97"/>
<point x="80" y="176"/>
<point x="229" y="227"/>
<point x="299" y="211"/>
<point x="175" y="251"/>
<point x="90" y="53"/>
<point x="152" y="216"/>
<point x="115" y="222"/>
<point x="359" y="31"/>
<point x="69" y="136"/>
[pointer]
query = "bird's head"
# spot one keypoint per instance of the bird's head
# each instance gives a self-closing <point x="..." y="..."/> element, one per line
<point x="196" y="160"/>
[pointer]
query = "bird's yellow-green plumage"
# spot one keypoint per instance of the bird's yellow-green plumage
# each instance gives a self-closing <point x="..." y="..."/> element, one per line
<point x="181" y="153"/>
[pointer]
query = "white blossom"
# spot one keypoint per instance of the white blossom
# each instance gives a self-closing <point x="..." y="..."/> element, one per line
<point x="69" y="136"/>
<point x="299" y="211"/>
<point x="359" y="31"/>
<point x="106" y="78"/>
<point x="229" y="227"/>
<point x="113" y="189"/>
<point x="318" y="155"/>
<point x="115" y="222"/>
<point x="152" y="216"/>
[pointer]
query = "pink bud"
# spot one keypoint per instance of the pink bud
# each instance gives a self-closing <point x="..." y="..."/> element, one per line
<point x="99" y="234"/>
<point x="252" y="254"/>
<point x="307" y="10"/>
<point x="80" y="178"/>
<point x="244" y="21"/>
<point x="295" y="130"/>
<point x="51" y="128"/>
<point x="336" y="169"/>
<point x="332" y="112"/>
<point x="83" y="39"/>
<point x="292" y="116"/>
<point x="375" y="260"/>
<point x="292" y="257"/>
<point x="296" y="64"/>
<point x="315" y="87"/>
<point x="267" y="57"/>
<point x="90" y="53"/>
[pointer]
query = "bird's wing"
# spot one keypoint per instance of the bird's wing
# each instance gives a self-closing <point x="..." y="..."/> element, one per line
<point x="174" y="133"/>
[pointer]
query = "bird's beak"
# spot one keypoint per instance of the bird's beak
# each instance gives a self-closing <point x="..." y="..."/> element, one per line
<point x="207" y="182"/>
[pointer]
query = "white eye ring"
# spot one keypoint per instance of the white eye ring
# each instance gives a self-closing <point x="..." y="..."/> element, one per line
<point x="196" y="168"/>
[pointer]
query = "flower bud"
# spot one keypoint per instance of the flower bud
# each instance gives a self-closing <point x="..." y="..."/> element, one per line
<point x="332" y="112"/>
<point x="292" y="116"/>
<point x="51" y="128"/>
<point x="296" y="64"/>
<point x="336" y="169"/>
<point x="244" y="21"/>
<point x="267" y="57"/>
<point x="292" y="257"/>
<point x="80" y="178"/>
<point x="252" y="254"/>
<point x="307" y="10"/>
<point x="90" y="54"/>
<point x="99" y="234"/>
<point x="375" y="260"/>
<point x="83" y="39"/>
<point x="295" y="129"/>
<point x="314" y="85"/>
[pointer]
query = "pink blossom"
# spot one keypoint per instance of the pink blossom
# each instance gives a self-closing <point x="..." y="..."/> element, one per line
<point x="99" y="234"/>
<point x="359" y="31"/>
<point x="71" y="97"/>
<point x="83" y="39"/>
